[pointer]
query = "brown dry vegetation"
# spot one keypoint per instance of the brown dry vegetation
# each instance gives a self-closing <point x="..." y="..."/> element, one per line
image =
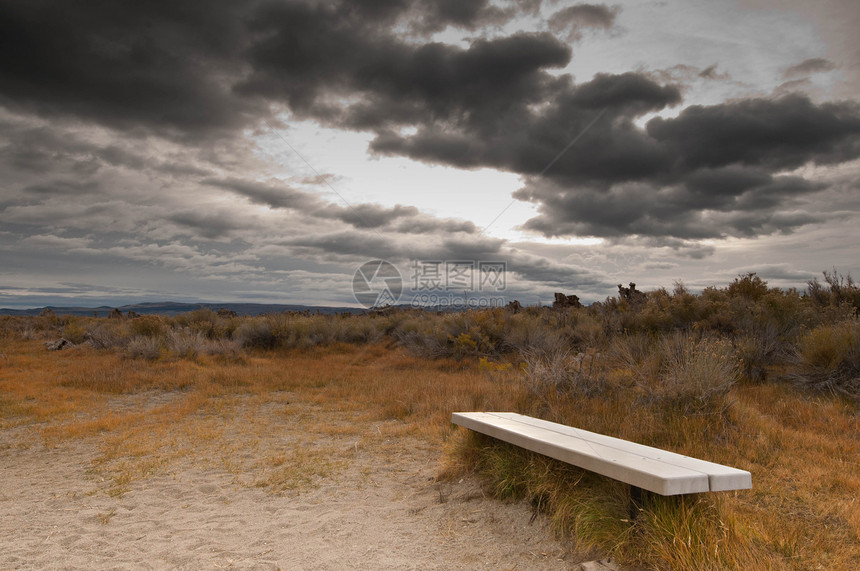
<point x="756" y="378"/>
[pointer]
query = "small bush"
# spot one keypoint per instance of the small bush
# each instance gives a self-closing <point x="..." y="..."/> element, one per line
<point x="841" y="290"/>
<point x="256" y="333"/>
<point x="149" y="326"/>
<point x="75" y="331"/>
<point x="696" y="373"/>
<point x="187" y="343"/>
<point x="108" y="335"/>
<point x="828" y="359"/>
<point x="143" y="347"/>
<point x="422" y="337"/>
<point x="558" y="371"/>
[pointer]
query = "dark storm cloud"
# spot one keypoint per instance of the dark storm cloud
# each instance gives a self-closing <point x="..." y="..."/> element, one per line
<point x="198" y="72"/>
<point x="395" y="82"/>
<point x="714" y="173"/>
<point x="525" y="140"/>
<point x="717" y="204"/>
<point x="572" y="20"/>
<point x="809" y="66"/>
<point x="775" y="134"/>
<point x="467" y="14"/>
<point x="164" y="66"/>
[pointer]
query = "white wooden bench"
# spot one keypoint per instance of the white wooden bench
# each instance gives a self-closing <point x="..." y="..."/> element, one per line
<point x="643" y="467"/>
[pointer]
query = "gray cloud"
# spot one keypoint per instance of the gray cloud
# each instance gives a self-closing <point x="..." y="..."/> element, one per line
<point x="809" y="66"/>
<point x="276" y="194"/>
<point x="572" y="20"/>
<point x="711" y="72"/>
<point x="208" y="224"/>
<point x="272" y="195"/>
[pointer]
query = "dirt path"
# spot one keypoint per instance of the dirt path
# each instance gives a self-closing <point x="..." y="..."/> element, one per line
<point x="380" y="509"/>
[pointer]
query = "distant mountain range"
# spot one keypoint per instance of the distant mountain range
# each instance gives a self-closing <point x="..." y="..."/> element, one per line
<point x="173" y="308"/>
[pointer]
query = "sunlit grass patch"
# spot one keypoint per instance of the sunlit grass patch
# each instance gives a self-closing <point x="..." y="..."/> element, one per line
<point x="296" y="468"/>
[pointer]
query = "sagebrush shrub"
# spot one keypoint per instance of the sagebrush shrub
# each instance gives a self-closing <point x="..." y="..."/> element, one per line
<point x="696" y="373"/>
<point x="557" y="370"/>
<point x="109" y="334"/>
<point x="149" y="326"/>
<point x="143" y="347"/>
<point x="828" y="358"/>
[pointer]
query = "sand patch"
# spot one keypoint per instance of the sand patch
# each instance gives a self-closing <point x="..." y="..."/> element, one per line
<point x="376" y="506"/>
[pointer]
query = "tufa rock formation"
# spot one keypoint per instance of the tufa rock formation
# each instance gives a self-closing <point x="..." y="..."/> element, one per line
<point x="631" y="294"/>
<point x="562" y="301"/>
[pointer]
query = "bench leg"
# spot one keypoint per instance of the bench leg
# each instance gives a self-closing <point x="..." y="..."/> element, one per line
<point x="636" y="494"/>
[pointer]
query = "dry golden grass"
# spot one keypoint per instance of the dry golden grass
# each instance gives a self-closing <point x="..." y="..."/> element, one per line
<point x="802" y="513"/>
<point x="144" y="418"/>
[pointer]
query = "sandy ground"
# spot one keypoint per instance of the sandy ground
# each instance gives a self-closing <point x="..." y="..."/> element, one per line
<point x="381" y="509"/>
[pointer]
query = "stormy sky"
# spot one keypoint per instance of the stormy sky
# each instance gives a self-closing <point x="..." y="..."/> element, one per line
<point x="262" y="151"/>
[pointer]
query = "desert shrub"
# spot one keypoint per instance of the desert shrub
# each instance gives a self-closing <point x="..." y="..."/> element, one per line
<point x="696" y="373"/>
<point x="228" y="348"/>
<point x="143" y="347"/>
<point x="75" y="330"/>
<point x="749" y="286"/>
<point x="828" y="359"/>
<point x="840" y="290"/>
<point x="584" y="330"/>
<point x="285" y="331"/>
<point x="421" y="337"/>
<point x="9" y="326"/>
<point x="256" y="333"/>
<point x="637" y="356"/>
<point x="110" y="334"/>
<point x="527" y="332"/>
<point x="454" y="335"/>
<point x="654" y="314"/>
<point x="203" y="321"/>
<point x="548" y="373"/>
<point x="149" y="326"/>
<point x="363" y="330"/>
<point x="187" y="343"/>
<point x="756" y="350"/>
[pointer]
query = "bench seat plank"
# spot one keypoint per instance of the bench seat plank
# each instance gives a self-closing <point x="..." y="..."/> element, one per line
<point x="649" y="468"/>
